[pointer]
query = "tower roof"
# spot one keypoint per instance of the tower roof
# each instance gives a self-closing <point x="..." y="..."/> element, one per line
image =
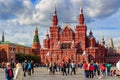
<point x="36" y="37"/>
<point x="90" y="34"/>
<point x="81" y="16"/>
<point x="111" y="43"/>
<point x="3" y="38"/>
<point x="55" y="19"/>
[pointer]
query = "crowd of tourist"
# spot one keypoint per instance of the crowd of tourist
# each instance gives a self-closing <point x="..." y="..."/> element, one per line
<point x="64" y="67"/>
<point x="91" y="69"/>
<point x="18" y="71"/>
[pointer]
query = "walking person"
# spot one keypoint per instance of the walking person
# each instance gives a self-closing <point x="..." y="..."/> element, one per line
<point x="18" y="72"/>
<point x="68" y="68"/>
<point x="108" y="66"/>
<point x="91" y="71"/>
<point x="98" y="69"/>
<point x="29" y="68"/>
<point x="50" y="67"/>
<point x="64" y="65"/>
<point x="103" y="69"/>
<point x="95" y="68"/>
<point x="73" y="68"/>
<point x="32" y="66"/>
<point x="8" y="72"/>
<point x="54" y="67"/>
<point x="86" y="69"/>
<point x="25" y="65"/>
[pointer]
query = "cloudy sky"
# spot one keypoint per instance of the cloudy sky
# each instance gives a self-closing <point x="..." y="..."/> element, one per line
<point x="18" y="18"/>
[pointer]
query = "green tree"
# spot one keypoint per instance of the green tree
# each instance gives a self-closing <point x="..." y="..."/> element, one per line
<point x="21" y="57"/>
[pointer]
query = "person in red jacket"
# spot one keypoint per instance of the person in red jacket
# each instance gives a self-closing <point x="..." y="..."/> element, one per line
<point x="91" y="71"/>
<point x="103" y="69"/>
<point x="86" y="70"/>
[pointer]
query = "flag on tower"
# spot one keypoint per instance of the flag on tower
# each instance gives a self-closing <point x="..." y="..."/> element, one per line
<point x="48" y="53"/>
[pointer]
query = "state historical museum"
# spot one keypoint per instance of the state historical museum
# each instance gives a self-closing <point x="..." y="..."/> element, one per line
<point x="68" y="44"/>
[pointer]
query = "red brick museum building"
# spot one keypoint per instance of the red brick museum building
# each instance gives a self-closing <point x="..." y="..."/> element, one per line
<point x="68" y="44"/>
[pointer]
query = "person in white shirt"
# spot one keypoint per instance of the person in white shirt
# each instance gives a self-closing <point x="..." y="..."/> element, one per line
<point x="18" y="72"/>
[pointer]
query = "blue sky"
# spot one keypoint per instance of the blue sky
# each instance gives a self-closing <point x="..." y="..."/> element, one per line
<point x="18" y="18"/>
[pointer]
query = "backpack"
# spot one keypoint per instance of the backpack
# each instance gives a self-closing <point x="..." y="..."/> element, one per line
<point x="10" y="73"/>
<point x="29" y="65"/>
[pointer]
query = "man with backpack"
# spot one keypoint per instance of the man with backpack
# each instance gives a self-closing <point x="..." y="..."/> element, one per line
<point x="73" y="68"/>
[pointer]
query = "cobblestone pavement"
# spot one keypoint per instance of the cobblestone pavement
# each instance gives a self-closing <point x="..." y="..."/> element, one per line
<point x="43" y="74"/>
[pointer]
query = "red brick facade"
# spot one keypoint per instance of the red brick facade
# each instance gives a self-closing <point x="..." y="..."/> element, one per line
<point x="8" y="51"/>
<point x="68" y="44"/>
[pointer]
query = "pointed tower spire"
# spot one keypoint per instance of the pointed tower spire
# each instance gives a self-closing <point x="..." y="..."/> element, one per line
<point x="3" y="38"/>
<point x="90" y="31"/>
<point x="81" y="9"/>
<point x="47" y="35"/>
<point x="55" y="19"/>
<point x="103" y="41"/>
<point x="81" y="16"/>
<point x="111" y="43"/>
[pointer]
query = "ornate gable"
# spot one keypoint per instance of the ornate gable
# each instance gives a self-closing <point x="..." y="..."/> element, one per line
<point x="67" y="30"/>
<point x="67" y="34"/>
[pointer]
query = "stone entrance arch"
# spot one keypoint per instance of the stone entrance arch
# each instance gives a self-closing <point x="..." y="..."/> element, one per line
<point x="3" y="55"/>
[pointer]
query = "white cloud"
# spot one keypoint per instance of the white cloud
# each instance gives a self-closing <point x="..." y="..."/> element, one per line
<point x="19" y="16"/>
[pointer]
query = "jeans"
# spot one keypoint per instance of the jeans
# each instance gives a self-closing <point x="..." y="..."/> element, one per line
<point x="104" y="72"/>
<point x="86" y="73"/>
<point x="108" y="72"/>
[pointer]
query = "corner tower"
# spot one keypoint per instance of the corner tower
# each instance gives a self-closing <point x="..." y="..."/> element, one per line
<point x="80" y="34"/>
<point x="36" y="44"/>
<point x="54" y="30"/>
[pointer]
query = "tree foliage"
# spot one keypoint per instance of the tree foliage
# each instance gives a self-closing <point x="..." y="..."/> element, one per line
<point x="21" y="57"/>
